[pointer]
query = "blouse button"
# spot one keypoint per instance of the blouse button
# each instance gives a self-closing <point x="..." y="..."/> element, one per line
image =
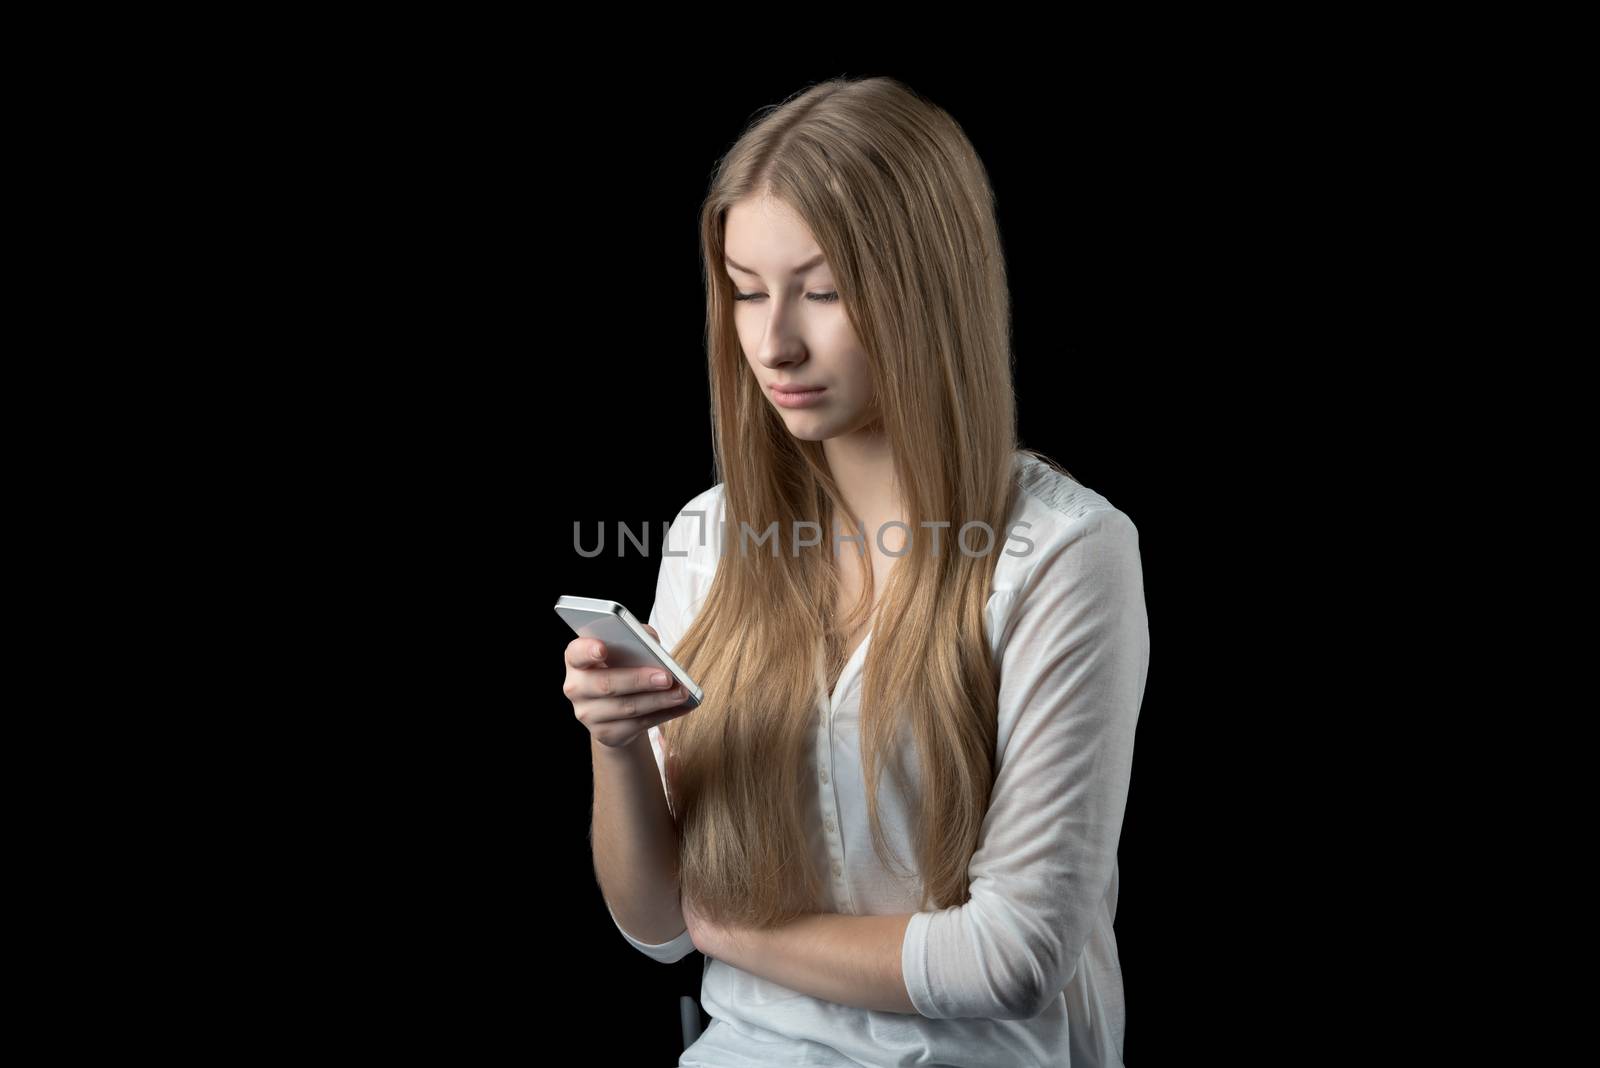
<point x="824" y="775"/>
<point x="828" y="823"/>
<point x="837" y="870"/>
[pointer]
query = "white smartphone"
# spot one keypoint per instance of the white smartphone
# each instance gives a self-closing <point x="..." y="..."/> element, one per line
<point x="628" y="644"/>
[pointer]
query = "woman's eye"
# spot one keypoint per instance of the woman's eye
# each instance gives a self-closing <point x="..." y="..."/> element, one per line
<point x="820" y="298"/>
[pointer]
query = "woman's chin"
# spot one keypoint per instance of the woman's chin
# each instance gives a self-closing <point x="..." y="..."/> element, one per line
<point x="810" y="433"/>
<point x="810" y="427"/>
<point x="807" y="425"/>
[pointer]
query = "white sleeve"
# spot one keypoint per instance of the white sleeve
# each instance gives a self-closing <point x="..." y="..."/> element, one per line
<point x="666" y="952"/>
<point x="1072" y="679"/>
<point x="670" y="615"/>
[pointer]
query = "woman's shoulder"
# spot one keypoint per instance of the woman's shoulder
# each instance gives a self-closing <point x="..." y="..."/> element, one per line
<point x="1051" y="510"/>
<point x="1049" y="489"/>
<point x="706" y="499"/>
<point x="694" y="530"/>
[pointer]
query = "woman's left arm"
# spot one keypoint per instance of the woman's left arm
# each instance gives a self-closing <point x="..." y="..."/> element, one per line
<point x="848" y="960"/>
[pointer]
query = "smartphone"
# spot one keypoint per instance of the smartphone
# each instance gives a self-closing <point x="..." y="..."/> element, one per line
<point x="628" y="644"/>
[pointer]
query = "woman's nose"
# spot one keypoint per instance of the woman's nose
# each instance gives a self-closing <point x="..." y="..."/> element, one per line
<point x="775" y="359"/>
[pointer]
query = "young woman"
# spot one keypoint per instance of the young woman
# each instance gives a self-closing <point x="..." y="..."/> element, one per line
<point x="892" y="825"/>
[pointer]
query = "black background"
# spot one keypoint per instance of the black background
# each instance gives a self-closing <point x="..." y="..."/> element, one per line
<point x="490" y="314"/>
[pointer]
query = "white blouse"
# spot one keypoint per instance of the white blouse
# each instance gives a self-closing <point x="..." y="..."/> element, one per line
<point x="1026" y="971"/>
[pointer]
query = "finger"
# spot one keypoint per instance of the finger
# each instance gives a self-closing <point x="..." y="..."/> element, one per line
<point x="653" y="678"/>
<point x="620" y="685"/>
<point x="585" y="652"/>
<point x="661" y="717"/>
<point x="634" y="707"/>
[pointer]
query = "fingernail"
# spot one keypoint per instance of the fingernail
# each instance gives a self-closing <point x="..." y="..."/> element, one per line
<point x="659" y="678"/>
<point x="598" y="651"/>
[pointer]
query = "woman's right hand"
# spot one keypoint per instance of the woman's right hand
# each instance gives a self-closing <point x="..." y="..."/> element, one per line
<point x="618" y="705"/>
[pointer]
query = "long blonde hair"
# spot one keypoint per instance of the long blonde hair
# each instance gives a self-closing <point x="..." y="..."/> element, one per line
<point x="901" y="207"/>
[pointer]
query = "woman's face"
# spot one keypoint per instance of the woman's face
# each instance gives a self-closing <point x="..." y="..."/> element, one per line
<point x="792" y="328"/>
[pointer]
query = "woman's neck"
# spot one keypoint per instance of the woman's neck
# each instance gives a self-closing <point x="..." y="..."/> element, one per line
<point x="862" y="464"/>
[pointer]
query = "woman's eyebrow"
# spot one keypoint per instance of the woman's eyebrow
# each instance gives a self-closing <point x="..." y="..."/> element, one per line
<point x="802" y="269"/>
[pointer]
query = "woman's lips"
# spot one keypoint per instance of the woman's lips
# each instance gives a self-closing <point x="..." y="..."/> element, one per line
<point x="798" y="400"/>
